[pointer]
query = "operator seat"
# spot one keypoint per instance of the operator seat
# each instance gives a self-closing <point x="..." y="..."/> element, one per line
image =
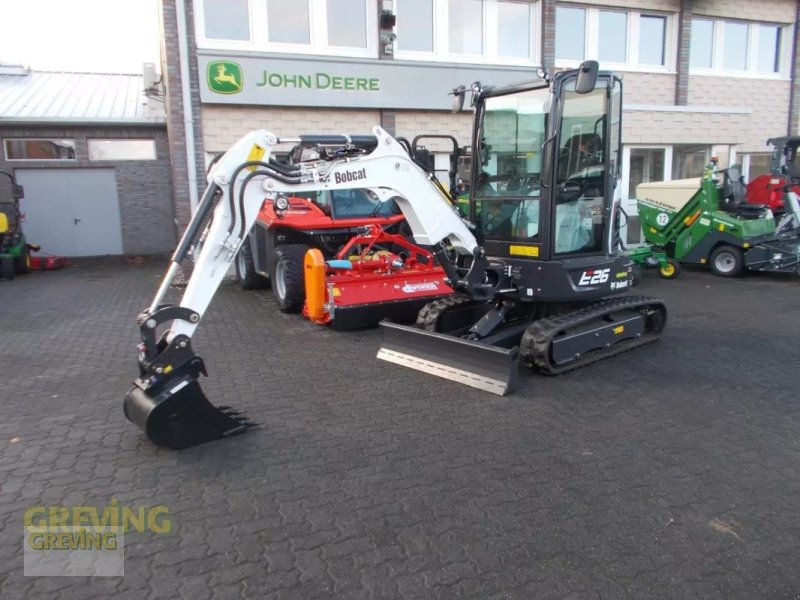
<point x="734" y="202"/>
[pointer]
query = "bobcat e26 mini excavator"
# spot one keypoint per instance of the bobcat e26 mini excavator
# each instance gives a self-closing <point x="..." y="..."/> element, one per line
<point x="533" y="268"/>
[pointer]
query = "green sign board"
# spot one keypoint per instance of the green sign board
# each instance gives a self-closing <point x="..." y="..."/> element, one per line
<point x="224" y="77"/>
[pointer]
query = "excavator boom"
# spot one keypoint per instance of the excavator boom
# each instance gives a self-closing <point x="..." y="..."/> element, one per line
<point x="166" y="401"/>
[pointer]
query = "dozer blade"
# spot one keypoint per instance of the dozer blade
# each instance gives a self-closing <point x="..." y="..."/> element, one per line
<point x="181" y="416"/>
<point x="489" y="368"/>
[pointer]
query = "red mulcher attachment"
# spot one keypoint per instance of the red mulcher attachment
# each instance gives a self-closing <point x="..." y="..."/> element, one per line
<point x="374" y="276"/>
<point x="47" y="263"/>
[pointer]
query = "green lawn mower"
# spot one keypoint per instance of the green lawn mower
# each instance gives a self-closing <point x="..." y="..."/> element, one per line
<point x="15" y="251"/>
<point x="715" y="226"/>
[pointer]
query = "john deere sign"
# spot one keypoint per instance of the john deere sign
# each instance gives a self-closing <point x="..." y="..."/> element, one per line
<point x="319" y="81"/>
<point x="341" y="82"/>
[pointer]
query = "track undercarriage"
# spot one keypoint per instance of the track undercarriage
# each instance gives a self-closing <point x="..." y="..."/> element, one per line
<point x="481" y="344"/>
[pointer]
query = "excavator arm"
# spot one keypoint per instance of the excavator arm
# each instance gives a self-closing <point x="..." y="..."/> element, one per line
<point x="166" y="400"/>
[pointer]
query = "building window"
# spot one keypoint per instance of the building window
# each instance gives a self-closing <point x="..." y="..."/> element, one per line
<point x="39" y="149"/>
<point x="466" y="27"/>
<point x="514" y="29"/>
<point x="570" y="33"/>
<point x="755" y="165"/>
<point x="325" y="27"/>
<point x="622" y="39"/>
<point x="288" y="22"/>
<point x="482" y="31"/>
<point x="646" y="165"/>
<point x="347" y="23"/>
<point x="689" y="161"/>
<point x="226" y="19"/>
<point x="701" y="50"/>
<point x="737" y="48"/>
<point x="415" y="20"/>
<point x="117" y="149"/>
<point x="613" y="35"/>
<point x="652" y="39"/>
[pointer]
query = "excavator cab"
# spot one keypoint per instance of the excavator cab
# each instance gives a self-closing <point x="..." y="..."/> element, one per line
<point x="546" y="168"/>
<point x="544" y="203"/>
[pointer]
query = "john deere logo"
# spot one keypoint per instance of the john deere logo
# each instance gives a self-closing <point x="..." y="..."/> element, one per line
<point x="224" y="77"/>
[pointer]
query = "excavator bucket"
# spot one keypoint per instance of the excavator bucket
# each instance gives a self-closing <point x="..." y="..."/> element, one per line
<point x="491" y="368"/>
<point x="181" y="416"/>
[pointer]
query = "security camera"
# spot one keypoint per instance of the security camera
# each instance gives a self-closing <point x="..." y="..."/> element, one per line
<point x="388" y="37"/>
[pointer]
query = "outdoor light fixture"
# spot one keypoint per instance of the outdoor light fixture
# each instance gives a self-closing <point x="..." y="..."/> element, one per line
<point x="388" y="18"/>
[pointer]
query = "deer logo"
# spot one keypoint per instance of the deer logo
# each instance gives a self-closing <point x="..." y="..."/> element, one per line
<point x="224" y="77"/>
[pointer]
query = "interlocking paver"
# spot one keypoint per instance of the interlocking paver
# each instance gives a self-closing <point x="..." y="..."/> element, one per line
<point x="673" y="471"/>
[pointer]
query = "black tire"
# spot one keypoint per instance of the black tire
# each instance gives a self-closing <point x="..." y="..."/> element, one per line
<point x="22" y="263"/>
<point x="288" y="283"/>
<point x="246" y="273"/>
<point x="726" y="261"/>
<point x="672" y="270"/>
<point x="7" y="268"/>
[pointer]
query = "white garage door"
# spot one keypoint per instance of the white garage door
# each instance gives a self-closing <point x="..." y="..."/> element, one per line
<point x="71" y="212"/>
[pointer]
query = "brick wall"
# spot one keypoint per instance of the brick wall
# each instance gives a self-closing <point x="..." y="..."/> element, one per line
<point x="649" y="127"/>
<point x="648" y="88"/>
<point x="657" y="5"/>
<point x="776" y="11"/>
<point x="224" y="124"/>
<point x="767" y="99"/>
<point x="143" y="187"/>
<point x="431" y="122"/>
<point x="170" y="67"/>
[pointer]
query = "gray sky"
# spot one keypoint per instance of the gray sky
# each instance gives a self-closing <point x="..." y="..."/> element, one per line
<point x="80" y="35"/>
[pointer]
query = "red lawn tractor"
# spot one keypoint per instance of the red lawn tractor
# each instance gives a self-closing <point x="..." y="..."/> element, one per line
<point x="769" y="189"/>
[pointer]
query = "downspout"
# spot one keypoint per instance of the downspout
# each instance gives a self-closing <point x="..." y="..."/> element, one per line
<point x="188" y="118"/>
<point x="794" y="70"/>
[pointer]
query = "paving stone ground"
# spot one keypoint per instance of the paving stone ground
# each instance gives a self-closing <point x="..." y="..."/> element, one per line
<point x="669" y="472"/>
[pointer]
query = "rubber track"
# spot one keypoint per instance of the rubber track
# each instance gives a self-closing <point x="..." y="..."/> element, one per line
<point x="535" y="344"/>
<point x="428" y="317"/>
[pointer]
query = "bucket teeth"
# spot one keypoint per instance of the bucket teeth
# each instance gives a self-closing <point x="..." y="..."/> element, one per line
<point x="182" y="416"/>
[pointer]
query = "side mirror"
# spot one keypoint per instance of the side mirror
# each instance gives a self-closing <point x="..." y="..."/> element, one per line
<point x="569" y="191"/>
<point x="459" y="94"/>
<point x="587" y="77"/>
<point x="17" y="192"/>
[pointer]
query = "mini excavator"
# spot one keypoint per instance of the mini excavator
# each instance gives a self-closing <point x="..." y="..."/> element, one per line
<point x="537" y="267"/>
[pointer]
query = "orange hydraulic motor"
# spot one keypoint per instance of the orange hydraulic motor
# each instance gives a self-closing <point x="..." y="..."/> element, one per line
<point x="314" y="272"/>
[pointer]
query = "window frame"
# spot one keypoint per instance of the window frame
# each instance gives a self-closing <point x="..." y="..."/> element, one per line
<point x="318" y="32"/>
<point x="127" y="139"/>
<point x="751" y="68"/>
<point x="592" y="40"/>
<point x="39" y="139"/>
<point x="441" y="38"/>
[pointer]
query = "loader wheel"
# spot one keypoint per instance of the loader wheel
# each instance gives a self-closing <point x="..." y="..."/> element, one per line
<point x="726" y="261"/>
<point x="671" y="270"/>
<point x="288" y="283"/>
<point x="246" y="269"/>
<point x="22" y="264"/>
<point x="7" y="268"/>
